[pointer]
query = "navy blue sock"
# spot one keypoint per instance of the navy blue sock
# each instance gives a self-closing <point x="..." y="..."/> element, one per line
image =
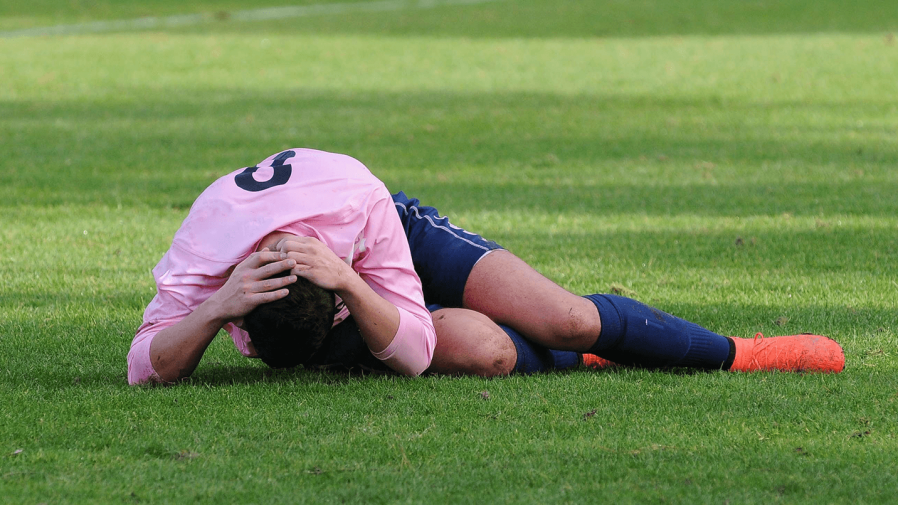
<point x="535" y="358"/>
<point x="635" y="334"/>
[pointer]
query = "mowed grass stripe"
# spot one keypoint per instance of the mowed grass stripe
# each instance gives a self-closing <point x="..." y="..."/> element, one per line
<point x="763" y="69"/>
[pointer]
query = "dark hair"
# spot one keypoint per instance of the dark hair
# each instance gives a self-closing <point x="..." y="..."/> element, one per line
<point x="288" y="331"/>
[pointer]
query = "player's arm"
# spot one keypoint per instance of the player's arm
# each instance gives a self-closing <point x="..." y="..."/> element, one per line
<point x="377" y="318"/>
<point x="176" y="350"/>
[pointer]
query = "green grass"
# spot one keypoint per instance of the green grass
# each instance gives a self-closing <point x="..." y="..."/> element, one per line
<point x="733" y="164"/>
<point x="499" y="18"/>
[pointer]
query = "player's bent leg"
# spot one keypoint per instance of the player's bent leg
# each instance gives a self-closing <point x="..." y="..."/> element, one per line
<point x="469" y="343"/>
<point x="511" y="292"/>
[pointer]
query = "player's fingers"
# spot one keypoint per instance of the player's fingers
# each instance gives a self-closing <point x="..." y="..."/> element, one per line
<point x="269" y="296"/>
<point x="297" y="243"/>
<point x="267" y="270"/>
<point x="283" y="244"/>
<point x="256" y="260"/>
<point x="312" y="250"/>
<point x="273" y="283"/>
<point x="302" y="258"/>
<point x="304" y="271"/>
<point x="295" y="247"/>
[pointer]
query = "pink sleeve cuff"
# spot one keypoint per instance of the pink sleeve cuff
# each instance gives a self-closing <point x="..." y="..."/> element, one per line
<point x="411" y="350"/>
<point x="140" y="368"/>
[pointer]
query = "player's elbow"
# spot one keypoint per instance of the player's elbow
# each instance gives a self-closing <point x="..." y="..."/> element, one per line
<point x="411" y="350"/>
<point x="140" y="370"/>
<point x="137" y="379"/>
<point x="410" y="367"/>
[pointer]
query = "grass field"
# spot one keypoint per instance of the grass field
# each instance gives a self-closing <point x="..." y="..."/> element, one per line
<point x="735" y="164"/>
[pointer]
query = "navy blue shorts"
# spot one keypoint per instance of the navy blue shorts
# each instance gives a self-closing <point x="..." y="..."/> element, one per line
<point x="444" y="256"/>
<point x="443" y="253"/>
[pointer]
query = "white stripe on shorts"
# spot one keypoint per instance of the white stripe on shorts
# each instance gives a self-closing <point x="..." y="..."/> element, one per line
<point x="444" y="228"/>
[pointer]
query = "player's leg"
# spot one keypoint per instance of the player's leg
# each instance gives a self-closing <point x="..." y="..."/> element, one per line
<point x="626" y="331"/>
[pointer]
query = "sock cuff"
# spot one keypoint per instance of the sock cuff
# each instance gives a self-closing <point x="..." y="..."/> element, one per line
<point x="562" y="360"/>
<point x="706" y="349"/>
<point x="699" y="346"/>
<point x="613" y="326"/>
<point x="531" y="358"/>
<point x="536" y="358"/>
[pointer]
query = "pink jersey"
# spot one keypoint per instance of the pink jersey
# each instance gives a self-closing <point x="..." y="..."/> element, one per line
<point x="331" y="197"/>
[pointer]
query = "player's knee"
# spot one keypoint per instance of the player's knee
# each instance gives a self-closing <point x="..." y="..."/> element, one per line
<point x="469" y="343"/>
<point x="491" y="352"/>
<point x="500" y="356"/>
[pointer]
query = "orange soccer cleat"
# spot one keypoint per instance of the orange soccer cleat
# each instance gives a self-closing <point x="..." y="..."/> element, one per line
<point x="795" y="353"/>
<point x="595" y="362"/>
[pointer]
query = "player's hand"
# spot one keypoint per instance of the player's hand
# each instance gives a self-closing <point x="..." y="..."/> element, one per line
<point x="250" y="285"/>
<point x="317" y="263"/>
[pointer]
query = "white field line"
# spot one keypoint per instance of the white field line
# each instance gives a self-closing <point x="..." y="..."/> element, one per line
<point x="266" y="14"/>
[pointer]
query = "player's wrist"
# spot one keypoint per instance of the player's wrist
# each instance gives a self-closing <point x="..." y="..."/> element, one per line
<point x="213" y="313"/>
<point x="350" y="285"/>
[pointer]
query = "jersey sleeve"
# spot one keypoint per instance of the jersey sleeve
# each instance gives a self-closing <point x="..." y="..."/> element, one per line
<point x="386" y="265"/>
<point x="180" y="289"/>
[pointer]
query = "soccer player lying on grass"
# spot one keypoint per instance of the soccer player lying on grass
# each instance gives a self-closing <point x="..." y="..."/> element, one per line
<point x="301" y="215"/>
